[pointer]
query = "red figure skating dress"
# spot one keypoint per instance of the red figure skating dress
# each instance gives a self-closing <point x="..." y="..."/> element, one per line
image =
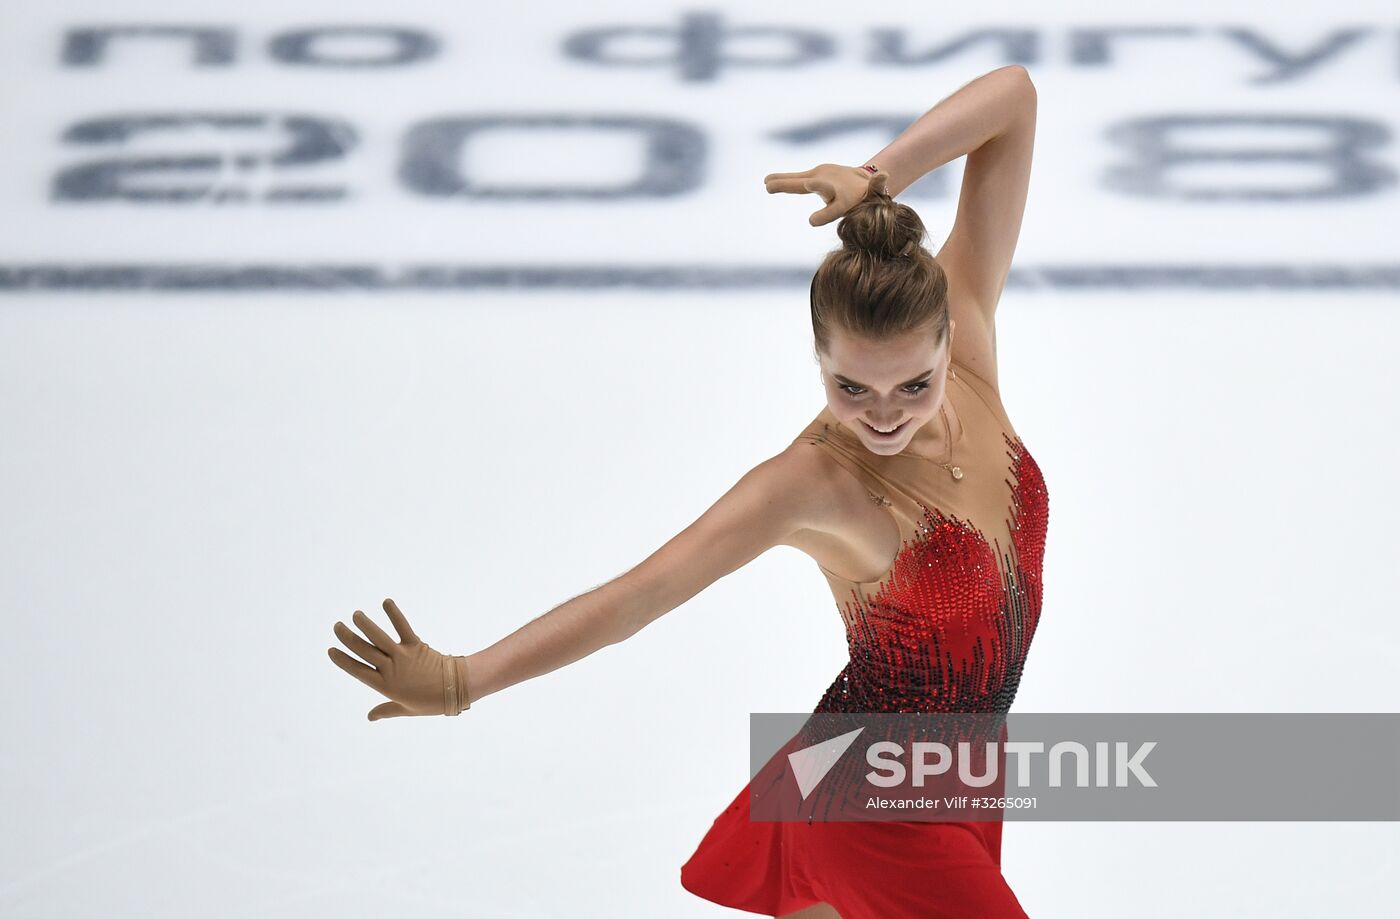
<point x="946" y="629"/>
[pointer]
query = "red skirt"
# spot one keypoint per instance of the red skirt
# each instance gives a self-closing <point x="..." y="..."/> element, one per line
<point x="865" y="869"/>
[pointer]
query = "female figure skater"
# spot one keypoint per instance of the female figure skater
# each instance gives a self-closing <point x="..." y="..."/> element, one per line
<point x="910" y="490"/>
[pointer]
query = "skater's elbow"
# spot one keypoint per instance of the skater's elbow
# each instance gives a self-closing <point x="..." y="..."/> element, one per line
<point x="763" y="509"/>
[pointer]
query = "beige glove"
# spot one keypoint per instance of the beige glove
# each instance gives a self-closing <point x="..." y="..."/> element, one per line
<point x="841" y="187"/>
<point x="418" y="679"/>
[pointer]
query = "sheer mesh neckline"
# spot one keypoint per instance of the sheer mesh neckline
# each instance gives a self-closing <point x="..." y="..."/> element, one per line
<point x="922" y="497"/>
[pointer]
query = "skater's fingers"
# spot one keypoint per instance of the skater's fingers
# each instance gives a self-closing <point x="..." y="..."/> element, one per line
<point x="354" y="642"/>
<point x="787" y="175"/>
<point x="827" y="214"/>
<point x="400" y="621"/>
<point x="789" y="185"/>
<point x="822" y="187"/>
<point x="381" y="638"/>
<point x="367" y="675"/>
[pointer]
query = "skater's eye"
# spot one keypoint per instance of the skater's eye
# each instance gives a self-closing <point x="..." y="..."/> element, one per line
<point x="912" y="389"/>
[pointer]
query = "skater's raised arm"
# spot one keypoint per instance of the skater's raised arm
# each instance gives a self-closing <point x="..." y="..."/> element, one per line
<point x="763" y="509"/>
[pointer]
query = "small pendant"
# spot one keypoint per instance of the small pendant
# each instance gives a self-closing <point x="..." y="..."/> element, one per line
<point x="957" y="472"/>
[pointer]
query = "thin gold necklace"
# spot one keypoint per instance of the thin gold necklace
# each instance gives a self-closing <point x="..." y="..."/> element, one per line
<point x="955" y="471"/>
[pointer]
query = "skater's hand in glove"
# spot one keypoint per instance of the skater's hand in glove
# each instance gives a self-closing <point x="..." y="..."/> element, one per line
<point x="841" y="187"/>
<point x="408" y="671"/>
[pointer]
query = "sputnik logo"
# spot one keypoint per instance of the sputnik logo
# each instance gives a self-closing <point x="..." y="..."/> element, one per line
<point x="810" y="766"/>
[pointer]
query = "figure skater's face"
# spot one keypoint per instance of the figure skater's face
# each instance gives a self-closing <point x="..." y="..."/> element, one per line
<point x="898" y="384"/>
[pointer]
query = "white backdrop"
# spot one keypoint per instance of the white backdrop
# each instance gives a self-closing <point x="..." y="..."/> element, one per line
<point x="234" y="415"/>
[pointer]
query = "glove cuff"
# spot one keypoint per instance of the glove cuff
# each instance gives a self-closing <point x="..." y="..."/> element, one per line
<point x="456" y="697"/>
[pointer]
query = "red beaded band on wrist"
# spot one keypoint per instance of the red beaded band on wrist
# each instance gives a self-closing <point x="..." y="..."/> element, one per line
<point x="871" y="168"/>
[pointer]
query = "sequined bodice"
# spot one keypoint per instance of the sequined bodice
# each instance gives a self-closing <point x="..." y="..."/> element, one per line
<point x="948" y="627"/>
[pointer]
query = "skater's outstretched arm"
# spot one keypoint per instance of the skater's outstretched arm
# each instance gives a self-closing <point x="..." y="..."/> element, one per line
<point x="766" y="507"/>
